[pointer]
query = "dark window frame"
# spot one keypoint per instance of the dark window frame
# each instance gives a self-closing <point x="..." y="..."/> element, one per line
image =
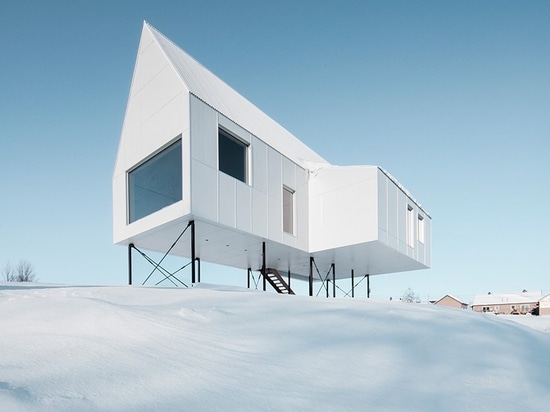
<point x="233" y="155"/>
<point x="153" y="185"/>
<point x="288" y="218"/>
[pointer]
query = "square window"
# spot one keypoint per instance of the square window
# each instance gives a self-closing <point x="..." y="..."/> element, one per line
<point x="232" y="156"/>
<point x="156" y="183"/>
<point x="288" y="210"/>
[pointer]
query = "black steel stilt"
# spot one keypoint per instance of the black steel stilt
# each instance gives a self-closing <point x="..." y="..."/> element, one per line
<point x="263" y="266"/>
<point x="352" y="283"/>
<point x="311" y="276"/>
<point x="130" y="247"/>
<point x="289" y="278"/>
<point x="193" y="256"/>
<point x="199" y="270"/>
<point x="333" y="280"/>
<point x="368" y="286"/>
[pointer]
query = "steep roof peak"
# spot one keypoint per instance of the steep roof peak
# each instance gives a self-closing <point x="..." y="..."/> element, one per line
<point x="209" y="88"/>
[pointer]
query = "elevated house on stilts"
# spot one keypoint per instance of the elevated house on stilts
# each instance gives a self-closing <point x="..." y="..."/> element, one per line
<point x="204" y="174"/>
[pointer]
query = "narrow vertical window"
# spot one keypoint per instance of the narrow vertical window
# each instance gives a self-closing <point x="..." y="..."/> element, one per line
<point x="288" y="210"/>
<point x="410" y="226"/>
<point x="232" y="156"/>
<point x="421" y="229"/>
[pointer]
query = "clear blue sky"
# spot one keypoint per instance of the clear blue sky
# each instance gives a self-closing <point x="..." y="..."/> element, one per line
<point x="452" y="98"/>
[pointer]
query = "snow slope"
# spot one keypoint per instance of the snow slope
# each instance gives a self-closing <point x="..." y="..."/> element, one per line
<point x="214" y="348"/>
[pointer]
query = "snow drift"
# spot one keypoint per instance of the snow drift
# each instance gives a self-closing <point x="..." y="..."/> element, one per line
<point x="222" y="348"/>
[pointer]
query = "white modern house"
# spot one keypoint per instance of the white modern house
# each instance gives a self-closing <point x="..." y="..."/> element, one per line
<point x="195" y="154"/>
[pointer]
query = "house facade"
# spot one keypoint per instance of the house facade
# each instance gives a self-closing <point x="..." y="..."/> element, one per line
<point x="451" y="302"/>
<point x="544" y="306"/>
<point x="194" y="150"/>
<point x="507" y="303"/>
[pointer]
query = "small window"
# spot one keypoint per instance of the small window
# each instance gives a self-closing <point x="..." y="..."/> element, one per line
<point x="420" y="229"/>
<point x="232" y="156"/>
<point x="156" y="183"/>
<point x="410" y="226"/>
<point x="288" y="210"/>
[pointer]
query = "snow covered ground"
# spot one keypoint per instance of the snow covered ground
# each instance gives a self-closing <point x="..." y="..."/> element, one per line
<point x="215" y="348"/>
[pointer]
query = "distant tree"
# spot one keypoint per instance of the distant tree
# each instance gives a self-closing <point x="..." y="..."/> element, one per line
<point x="409" y="296"/>
<point x="7" y="273"/>
<point x="23" y="272"/>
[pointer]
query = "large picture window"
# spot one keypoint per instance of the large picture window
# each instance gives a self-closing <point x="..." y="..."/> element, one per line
<point x="155" y="184"/>
<point x="232" y="156"/>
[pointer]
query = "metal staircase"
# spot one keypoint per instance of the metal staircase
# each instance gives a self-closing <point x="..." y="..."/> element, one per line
<point x="278" y="283"/>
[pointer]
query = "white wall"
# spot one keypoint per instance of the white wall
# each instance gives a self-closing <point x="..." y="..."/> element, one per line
<point x="253" y="207"/>
<point x="334" y="206"/>
<point x="393" y="205"/>
<point x="343" y="206"/>
<point x="157" y="113"/>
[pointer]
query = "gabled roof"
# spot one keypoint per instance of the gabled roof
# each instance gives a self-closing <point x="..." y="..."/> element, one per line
<point x="507" y="298"/>
<point x="213" y="91"/>
<point x="452" y="297"/>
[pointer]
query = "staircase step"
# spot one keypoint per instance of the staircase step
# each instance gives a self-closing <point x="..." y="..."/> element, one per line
<point x="278" y="283"/>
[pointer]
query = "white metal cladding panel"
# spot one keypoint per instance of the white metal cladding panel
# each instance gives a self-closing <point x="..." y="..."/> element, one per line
<point x="289" y="180"/>
<point x="204" y="133"/>
<point x="421" y="247"/>
<point x="428" y="240"/>
<point x="119" y="207"/>
<point x="302" y="209"/>
<point x="274" y="220"/>
<point x="402" y="202"/>
<point x="227" y="200"/>
<point x="244" y="207"/>
<point x="275" y="195"/>
<point x="259" y="165"/>
<point x="259" y="213"/>
<point x="152" y="221"/>
<point x="223" y="98"/>
<point x="382" y="182"/>
<point x="289" y="239"/>
<point x="289" y="174"/>
<point x="204" y="191"/>
<point x="150" y="61"/>
<point x="345" y="207"/>
<point x="159" y="91"/>
<point x="393" y="214"/>
<point x="234" y="128"/>
<point x="166" y="124"/>
<point x="129" y="149"/>
<point x="420" y="252"/>
<point x="155" y="86"/>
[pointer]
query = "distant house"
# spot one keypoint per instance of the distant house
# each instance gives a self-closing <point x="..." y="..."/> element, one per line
<point x="544" y="306"/>
<point x="451" y="302"/>
<point x="507" y="303"/>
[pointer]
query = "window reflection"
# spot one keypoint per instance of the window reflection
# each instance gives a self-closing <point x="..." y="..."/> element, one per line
<point x="155" y="184"/>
